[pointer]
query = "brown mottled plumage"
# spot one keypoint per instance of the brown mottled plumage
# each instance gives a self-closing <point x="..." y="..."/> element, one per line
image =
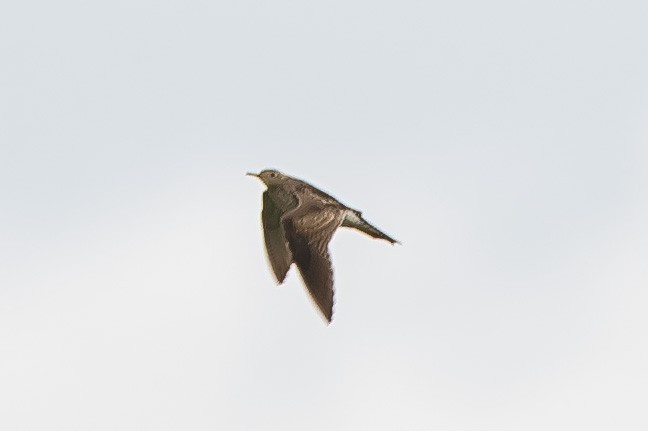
<point x="298" y="223"/>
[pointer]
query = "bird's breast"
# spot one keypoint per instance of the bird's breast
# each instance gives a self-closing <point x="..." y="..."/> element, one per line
<point x="284" y="200"/>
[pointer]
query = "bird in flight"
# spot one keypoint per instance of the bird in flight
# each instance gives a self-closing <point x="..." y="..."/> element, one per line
<point x="299" y="221"/>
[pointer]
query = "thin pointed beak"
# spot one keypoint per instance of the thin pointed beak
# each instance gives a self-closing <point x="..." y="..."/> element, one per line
<point x="252" y="174"/>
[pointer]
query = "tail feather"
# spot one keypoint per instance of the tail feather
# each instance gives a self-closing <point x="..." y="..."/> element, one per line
<point x="354" y="220"/>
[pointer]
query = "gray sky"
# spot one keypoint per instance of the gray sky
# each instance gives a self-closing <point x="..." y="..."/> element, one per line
<point x="504" y="143"/>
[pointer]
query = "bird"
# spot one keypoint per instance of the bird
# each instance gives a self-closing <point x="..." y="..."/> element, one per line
<point x="299" y="221"/>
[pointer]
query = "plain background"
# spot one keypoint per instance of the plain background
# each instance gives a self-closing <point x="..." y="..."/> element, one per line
<point x="505" y="143"/>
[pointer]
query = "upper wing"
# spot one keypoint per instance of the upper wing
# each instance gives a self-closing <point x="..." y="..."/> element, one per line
<point x="309" y="228"/>
<point x="276" y="246"/>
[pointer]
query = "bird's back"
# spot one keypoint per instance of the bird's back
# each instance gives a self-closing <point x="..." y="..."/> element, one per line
<point x="303" y="188"/>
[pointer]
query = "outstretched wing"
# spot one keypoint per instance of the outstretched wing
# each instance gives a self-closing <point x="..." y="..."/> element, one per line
<point x="276" y="245"/>
<point x="308" y="229"/>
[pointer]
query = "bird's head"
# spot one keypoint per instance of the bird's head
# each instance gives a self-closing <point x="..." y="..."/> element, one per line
<point x="269" y="176"/>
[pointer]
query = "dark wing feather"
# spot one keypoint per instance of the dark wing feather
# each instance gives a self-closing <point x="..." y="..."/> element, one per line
<point x="309" y="228"/>
<point x="276" y="246"/>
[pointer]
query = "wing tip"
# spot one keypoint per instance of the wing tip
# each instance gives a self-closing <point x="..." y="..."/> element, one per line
<point x="325" y="311"/>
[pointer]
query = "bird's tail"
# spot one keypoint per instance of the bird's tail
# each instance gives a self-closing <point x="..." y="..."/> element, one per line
<point x="354" y="219"/>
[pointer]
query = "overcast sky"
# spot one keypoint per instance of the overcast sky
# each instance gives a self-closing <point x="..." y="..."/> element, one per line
<point x="504" y="143"/>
